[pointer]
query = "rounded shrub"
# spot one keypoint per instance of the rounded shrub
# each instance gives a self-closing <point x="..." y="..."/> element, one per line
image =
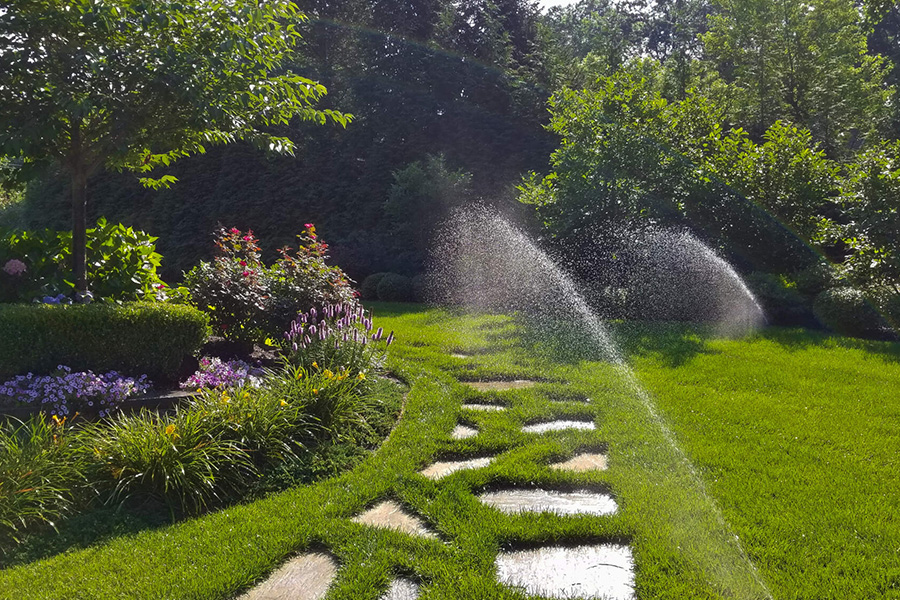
<point x="783" y="305"/>
<point x="139" y="338"/>
<point x="817" y="278"/>
<point x="369" y="288"/>
<point x="395" y="288"/>
<point x="846" y="311"/>
<point x="420" y="288"/>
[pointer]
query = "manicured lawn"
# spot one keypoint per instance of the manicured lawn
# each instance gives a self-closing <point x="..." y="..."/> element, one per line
<point x="788" y="435"/>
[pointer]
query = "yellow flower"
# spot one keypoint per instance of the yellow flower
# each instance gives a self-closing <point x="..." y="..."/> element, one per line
<point x="327" y="373"/>
<point x="315" y="365"/>
<point x="315" y="391"/>
<point x="170" y="430"/>
<point x="361" y="376"/>
<point x="298" y="374"/>
<point x="283" y="403"/>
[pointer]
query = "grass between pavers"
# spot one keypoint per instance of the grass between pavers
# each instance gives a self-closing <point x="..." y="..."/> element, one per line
<point x="684" y="546"/>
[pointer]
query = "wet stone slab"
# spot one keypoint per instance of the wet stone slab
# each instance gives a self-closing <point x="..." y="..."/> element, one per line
<point x="595" y="571"/>
<point x="401" y="589"/>
<point x="390" y="515"/>
<point x="304" y="577"/>
<point x="485" y="386"/>
<point x="558" y="426"/>
<point x="444" y="468"/>
<point x="581" y="502"/>
<point x="586" y="461"/>
<point x="487" y="407"/>
<point x="461" y="432"/>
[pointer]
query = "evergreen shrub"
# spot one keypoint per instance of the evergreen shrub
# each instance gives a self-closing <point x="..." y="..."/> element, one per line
<point x="395" y="288"/>
<point x="369" y="288"/>
<point x="135" y="338"/>
<point x="847" y="311"/>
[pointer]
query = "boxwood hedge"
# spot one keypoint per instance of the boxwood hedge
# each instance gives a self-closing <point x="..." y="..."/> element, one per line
<point x="133" y="338"/>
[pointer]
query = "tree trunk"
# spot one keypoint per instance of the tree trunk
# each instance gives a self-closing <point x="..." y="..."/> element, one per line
<point x="79" y="232"/>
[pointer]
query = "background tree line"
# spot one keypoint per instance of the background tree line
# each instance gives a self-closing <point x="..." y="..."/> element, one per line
<point x="765" y="127"/>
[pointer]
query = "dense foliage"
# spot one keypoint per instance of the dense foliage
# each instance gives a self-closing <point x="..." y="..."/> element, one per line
<point x="249" y="301"/>
<point x="138" y="338"/>
<point x="123" y="263"/>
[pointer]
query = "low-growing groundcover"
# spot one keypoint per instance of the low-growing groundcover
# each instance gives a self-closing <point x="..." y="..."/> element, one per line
<point x="790" y="483"/>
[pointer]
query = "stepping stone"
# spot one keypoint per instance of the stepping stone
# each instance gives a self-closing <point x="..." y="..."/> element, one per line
<point x="484" y="407"/>
<point x="444" y="468"/>
<point x="581" y="502"/>
<point x="597" y="571"/>
<point x="484" y="386"/>
<point x="401" y="589"/>
<point x="456" y="355"/>
<point x="558" y="426"/>
<point x="305" y="577"/>
<point x="586" y="461"/>
<point x="461" y="432"/>
<point x="391" y="515"/>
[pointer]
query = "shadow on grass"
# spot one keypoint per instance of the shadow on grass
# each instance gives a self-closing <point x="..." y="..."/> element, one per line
<point x="87" y="529"/>
<point x="803" y="339"/>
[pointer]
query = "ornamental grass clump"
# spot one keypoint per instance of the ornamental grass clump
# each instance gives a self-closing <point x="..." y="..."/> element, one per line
<point x="64" y="392"/>
<point x="180" y="459"/>
<point x="341" y="338"/>
<point x="40" y="474"/>
<point x="217" y="373"/>
<point x="270" y="425"/>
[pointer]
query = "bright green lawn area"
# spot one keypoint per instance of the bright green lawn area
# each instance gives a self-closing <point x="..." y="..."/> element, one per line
<point x="787" y="440"/>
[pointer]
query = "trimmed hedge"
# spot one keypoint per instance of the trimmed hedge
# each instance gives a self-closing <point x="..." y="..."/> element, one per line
<point x="134" y="339"/>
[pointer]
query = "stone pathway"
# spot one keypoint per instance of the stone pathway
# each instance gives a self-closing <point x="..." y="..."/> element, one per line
<point x="553" y="571"/>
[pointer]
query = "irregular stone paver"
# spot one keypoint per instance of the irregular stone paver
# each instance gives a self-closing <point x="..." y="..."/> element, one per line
<point x="444" y="468"/>
<point x="558" y="425"/>
<point x="562" y="503"/>
<point x="597" y="571"/>
<point x="484" y="407"/>
<point x="401" y="589"/>
<point x="484" y="386"/>
<point x="461" y="432"/>
<point x="305" y="577"/>
<point x="586" y="461"/>
<point x="391" y="515"/>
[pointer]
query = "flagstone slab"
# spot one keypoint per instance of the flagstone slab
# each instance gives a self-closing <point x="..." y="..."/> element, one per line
<point x="461" y="432"/>
<point x="513" y="501"/>
<point x="558" y="425"/>
<point x="401" y="589"/>
<point x="304" y="577"/>
<point x="486" y="407"/>
<point x="595" y="571"/>
<point x="389" y="514"/>
<point x="586" y="461"/>
<point x="485" y="386"/>
<point x="444" y="468"/>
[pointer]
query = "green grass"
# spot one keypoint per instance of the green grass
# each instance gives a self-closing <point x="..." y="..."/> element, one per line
<point x="777" y="437"/>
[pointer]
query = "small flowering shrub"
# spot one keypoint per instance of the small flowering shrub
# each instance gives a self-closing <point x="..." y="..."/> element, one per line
<point x="248" y="301"/>
<point x="216" y="373"/>
<point x="340" y="337"/>
<point x="64" y="393"/>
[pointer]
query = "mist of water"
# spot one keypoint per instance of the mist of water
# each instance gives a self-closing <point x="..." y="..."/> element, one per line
<point x="483" y="262"/>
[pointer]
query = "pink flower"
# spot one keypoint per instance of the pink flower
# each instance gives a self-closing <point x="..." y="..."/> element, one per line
<point x="308" y="225"/>
<point x="235" y="230"/>
<point x="243" y="263"/>
<point x="245" y="273"/>
<point x="14" y="267"/>
<point x="247" y="238"/>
